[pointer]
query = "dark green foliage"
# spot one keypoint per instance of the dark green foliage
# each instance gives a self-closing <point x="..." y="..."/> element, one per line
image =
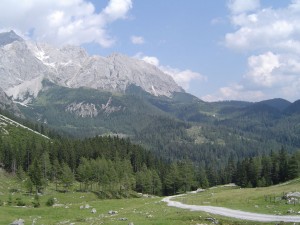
<point x="36" y="202"/>
<point x="10" y="200"/>
<point x="161" y="124"/>
<point x="267" y="170"/>
<point x="50" y="201"/>
<point x="20" y="202"/>
<point x="111" y="166"/>
<point x="36" y="175"/>
<point x="66" y="177"/>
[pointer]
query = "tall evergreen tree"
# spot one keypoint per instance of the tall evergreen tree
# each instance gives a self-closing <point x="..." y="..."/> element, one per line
<point x="36" y="175"/>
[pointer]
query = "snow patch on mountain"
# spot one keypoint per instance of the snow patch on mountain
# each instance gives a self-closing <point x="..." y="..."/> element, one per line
<point x="23" y="66"/>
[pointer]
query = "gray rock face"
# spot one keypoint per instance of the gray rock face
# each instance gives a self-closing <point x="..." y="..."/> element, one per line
<point x="8" y="105"/>
<point x="24" y="65"/>
<point x="84" y="109"/>
<point x="9" y="37"/>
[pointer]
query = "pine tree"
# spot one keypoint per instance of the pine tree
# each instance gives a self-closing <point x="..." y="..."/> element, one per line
<point x="36" y="175"/>
<point x="283" y="165"/>
<point x="67" y="177"/>
<point x="293" y="168"/>
<point x="202" y="178"/>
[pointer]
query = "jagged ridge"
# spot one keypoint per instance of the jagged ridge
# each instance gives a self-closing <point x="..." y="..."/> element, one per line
<point x="24" y="65"/>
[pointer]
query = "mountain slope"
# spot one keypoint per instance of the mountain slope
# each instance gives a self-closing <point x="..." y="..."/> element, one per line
<point x="9" y="127"/>
<point x="88" y="112"/>
<point x="6" y="104"/>
<point x="28" y="64"/>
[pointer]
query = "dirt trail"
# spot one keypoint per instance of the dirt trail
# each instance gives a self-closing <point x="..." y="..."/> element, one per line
<point x="231" y="212"/>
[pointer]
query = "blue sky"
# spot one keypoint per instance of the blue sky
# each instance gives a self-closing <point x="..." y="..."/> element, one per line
<point x="217" y="50"/>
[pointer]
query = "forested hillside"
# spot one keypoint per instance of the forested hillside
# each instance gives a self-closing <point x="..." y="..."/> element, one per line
<point x="113" y="166"/>
<point x="174" y="128"/>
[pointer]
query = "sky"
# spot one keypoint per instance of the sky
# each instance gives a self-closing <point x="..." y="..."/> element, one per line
<point x="215" y="49"/>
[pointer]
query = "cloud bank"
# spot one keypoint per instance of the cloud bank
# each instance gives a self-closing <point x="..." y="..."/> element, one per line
<point x="271" y="38"/>
<point x="63" y="22"/>
<point x="182" y="77"/>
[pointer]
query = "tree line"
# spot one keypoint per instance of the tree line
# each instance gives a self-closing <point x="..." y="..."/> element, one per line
<point x="117" y="166"/>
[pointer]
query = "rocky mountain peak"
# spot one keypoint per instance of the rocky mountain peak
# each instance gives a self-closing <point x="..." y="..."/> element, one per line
<point x="9" y="37"/>
<point x="24" y="65"/>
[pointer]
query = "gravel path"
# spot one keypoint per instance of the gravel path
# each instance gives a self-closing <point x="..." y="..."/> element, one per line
<point x="231" y="212"/>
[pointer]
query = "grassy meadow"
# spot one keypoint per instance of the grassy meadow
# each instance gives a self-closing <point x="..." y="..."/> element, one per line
<point x="143" y="210"/>
<point x="267" y="200"/>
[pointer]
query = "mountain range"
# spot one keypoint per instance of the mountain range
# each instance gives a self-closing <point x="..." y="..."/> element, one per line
<point x="84" y="96"/>
<point x="29" y="63"/>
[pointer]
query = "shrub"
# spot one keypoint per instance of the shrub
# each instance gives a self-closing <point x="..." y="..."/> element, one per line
<point x="10" y="200"/>
<point x="36" y="202"/>
<point x="50" y="202"/>
<point x="20" y="202"/>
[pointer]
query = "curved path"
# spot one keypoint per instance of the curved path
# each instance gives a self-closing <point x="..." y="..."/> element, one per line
<point x="231" y="212"/>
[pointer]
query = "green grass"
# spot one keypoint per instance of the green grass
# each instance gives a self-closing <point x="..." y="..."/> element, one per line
<point x="266" y="200"/>
<point x="145" y="211"/>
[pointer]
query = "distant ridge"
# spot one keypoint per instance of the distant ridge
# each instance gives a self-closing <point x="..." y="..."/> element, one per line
<point x="277" y="103"/>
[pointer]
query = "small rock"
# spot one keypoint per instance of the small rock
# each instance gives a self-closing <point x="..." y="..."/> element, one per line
<point x="200" y="190"/>
<point x="87" y="206"/>
<point x="123" y="219"/>
<point x="213" y="220"/>
<point x="81" y="207"/>
<point x="290" y="211"/>
<point x="94" y="210"/>
<point x="111" y="212"/>
<point x="18" y="222"/>
<point x="131" y="223"/>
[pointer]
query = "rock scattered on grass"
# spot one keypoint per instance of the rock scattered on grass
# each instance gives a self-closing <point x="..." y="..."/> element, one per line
<point x="212" y="220"/>
<point x="123" y="219"/>
<point x="18" y="222"/>
<point x="111" y="212"/>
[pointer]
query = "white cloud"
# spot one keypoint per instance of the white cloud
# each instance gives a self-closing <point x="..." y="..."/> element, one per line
<point x="262" y="69"/>
<point x="117" y="9"/>
<point x="137" y="40"/>
<point x="266" y="28"/>
<point x="270" y="37"/>
<point x="235" y="92"/>
<point x="182" y="77"/>
<point x="62" y="22"/>
<point x="240" y="6"/>
<point x="151" y="60"/>
<point x="269" y="75"/>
